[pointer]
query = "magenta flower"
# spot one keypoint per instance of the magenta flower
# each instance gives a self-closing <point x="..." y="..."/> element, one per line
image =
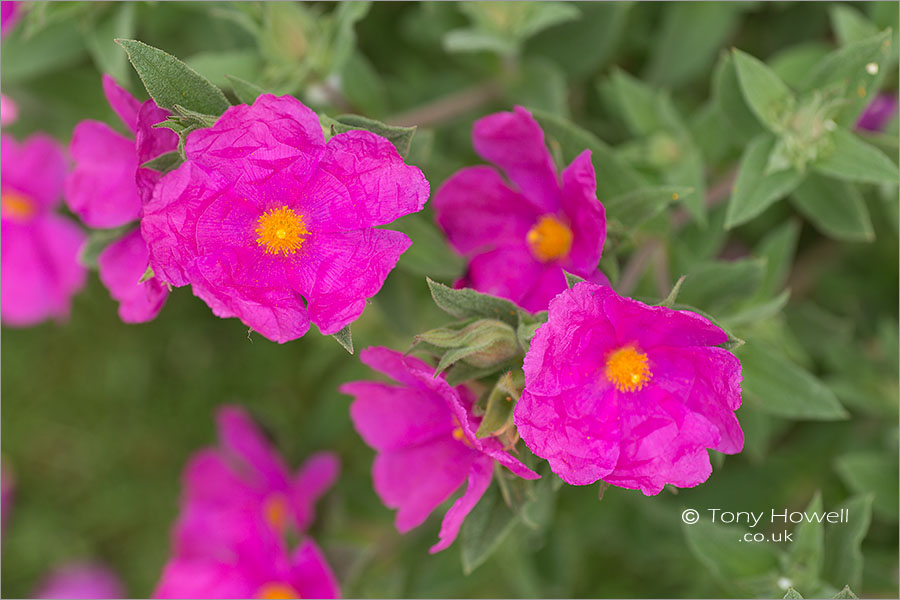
<point x="81" y="580"/>
<point x="423" y="431"/>
<point x="628" y="393"/>
<point x="106" y="187"/>
<point x="521" y="237"/>
<point x="241" y="504"/>
<point x="878" y="113"/>
<point x="9" y="110"/>
<point x="38" y="248"/>
<point x="10" y="13"/>
<point x="272" y="225"/>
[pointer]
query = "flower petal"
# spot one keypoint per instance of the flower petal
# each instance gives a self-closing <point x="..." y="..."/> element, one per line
<point x="314" y="478"/>
<point x="243" y="437"/>
<point x="35" y="168"/>
<point x="586" y="216"/>
<point x="479" y="479"/>
<point x="479" y="212"/>
<point x="122" y="102"/>
<point x="362" y="182"/>
<point x="102" y="190"/>
<point x="121" y="266"/>
<point x="311" y="575"/>
<point x="515" y="142"/>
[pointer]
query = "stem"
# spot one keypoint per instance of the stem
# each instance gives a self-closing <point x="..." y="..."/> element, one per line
<point x="448" y="107"/>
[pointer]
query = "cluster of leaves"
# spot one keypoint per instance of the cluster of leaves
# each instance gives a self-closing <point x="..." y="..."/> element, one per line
<point x="692" y="173"/>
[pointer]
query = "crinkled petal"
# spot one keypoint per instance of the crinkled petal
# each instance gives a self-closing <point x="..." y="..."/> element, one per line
<point x="122" y="102"/>
<point x="480" y="213"/>
<point x="389" y="417"/>
<point x="311" y="575"/>
<point x="550" y="282"/>
<point x="479" y="479"/>
<point x="277" y="313"/>
<point x="35" y="168"/>
<point x="102" y="190"/>
<point x="151" y="142"/>
<point x="577" y="432"/>
<point x="514" y="141"/>
<point x="121" y="266"/>
<point x="586" y="216"/>
<point x="650" y="326"/>
<point x="708" y="381"/>
<point x="40" y="269"/>
<point x="393" y="364"/>
<point x="362" y="181"/>
<point x="314" y="478"/>
<point x="338" y="272"/>
<point x="251" y="142"/>
<point x="570" y="349"/>
<point x="416" y="480"/>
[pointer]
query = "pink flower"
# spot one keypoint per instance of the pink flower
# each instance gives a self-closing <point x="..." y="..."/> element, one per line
<point x="9" y="111"/>
<point x="423" y="431"/>
<point x="878" y="113"/>
<point x="81" y="580"/>
<point x="521" y="237"/>
<point x="105" y="190"/>
<point x="240" y="505"/>
<point x="628" y="393"/>
<point x="39" y="248"/>
<point x="10" y="13"/>
<point x="272" y="225"/>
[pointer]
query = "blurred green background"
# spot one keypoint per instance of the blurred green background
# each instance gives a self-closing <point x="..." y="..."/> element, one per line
<point x="99" y="417"/>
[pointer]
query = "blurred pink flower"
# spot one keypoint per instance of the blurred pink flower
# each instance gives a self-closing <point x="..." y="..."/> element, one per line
<point x="522" y="234"/>
<point x="10" y="13"/>
<point x="81" y="580"/>
<point x="628" y="393"/>
<point x="9" y="111"/>
<point x="240" y="507"/>
<point x="106" y="187"/>
<point x="38" y="248"/>
<point x="423" y="431"/>
<point x="878" y="113"/>
<point x="272" y="225"/>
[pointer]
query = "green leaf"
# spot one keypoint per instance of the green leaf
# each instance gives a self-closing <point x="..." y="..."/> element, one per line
<point x="806" y="555"/>
<point x="852" y="159"/>
<point x="401" y="137"/>
<point x="867" y="472"/>
<point x="346" y="15"/>
<point x="246" y="92"/>
<point x="99" y="40"/>
<point x="766" y="94"/>
<point x="345" y="339"/>
<point x="721" y="550"/>
<point x="502" y="27"/>
<point x="836" y="208"/>
<point x="169" y="81"/>
<point x="795" y="62"/>
<point x="98" y="240"/>
<point x="572" y="279"/>
<point x="713" y="284"/>
<point x="582" y="46"/>
<point x="692" y="33"/>
<point x="729" y="100"/>
<point x="481" y="343"/>
<point x="148" y="275"/>
<point x="846" y="593"/>
<point x="754" y="190"/>
<point x="778" y="248"/>
<point x="849" y="24"/>
<point x="614" y="177"/>
<point x="483" y="530"/>
<point x="843" y="543"/>
<point x="467" y="303"/>
<point x="502" y="400"/>
<point x="637" y="102"/>
<point x="670" y="300"/>
<point x="845" y="72"/>
<point x="638" y="206"/>
<point x="782" y="388"/>
<point x="793" y="594"/>
<point x="52" y="49"/>
<point x="201" y="119"/>
<point x="164" y="162"/>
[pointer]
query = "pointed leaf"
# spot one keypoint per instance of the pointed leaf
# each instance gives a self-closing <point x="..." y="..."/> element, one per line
<point x="246" y="92"/>
<point x="836" y="208"/>
<point x="766" y="94"/>
<point x="853" y="159"/>
<point x="345" y="339"/>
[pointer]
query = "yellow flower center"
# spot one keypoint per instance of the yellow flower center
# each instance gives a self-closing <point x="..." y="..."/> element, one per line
<point x="275" y="591"/>
<point x="16" y="206"/>
<point x="281" y="231"/>
<point x="627" y="369"/>
<point x="549" y="239"/>
<point x="275" y="511"/>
